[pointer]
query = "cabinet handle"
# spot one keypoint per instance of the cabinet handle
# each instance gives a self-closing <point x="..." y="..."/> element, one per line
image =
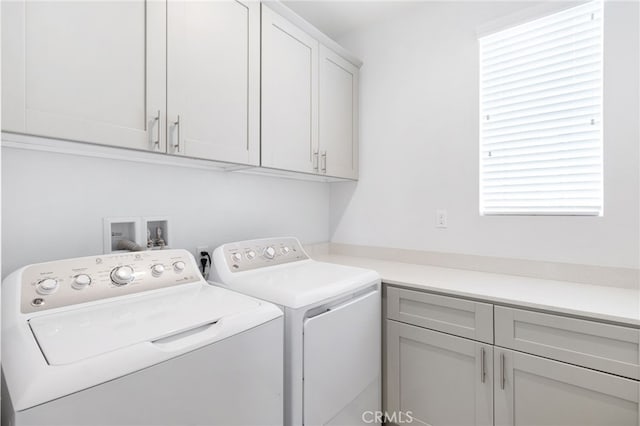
<point x="177" y="125"/>
<point x="502" y="377"/>
<point x="156" y="122"/>
<point x="483" y="371"/>
<point x="324" y="161"/>
<point x="315" y="161"/>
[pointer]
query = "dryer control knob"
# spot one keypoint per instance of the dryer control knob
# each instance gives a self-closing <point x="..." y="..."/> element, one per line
<point x="285" y="250"/>
<point x="269" y="252"/>
<point x="179" y="266"/>
<point x="122" y="275"/>
<point x="157" y="270"/>
<point x="81" y="281"/>
<point x="250" y="254"/>
<point x="47" y="286"/>
<point x="237" y="257"/>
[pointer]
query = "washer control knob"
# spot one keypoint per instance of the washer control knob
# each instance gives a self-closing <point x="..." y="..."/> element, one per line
<point x="237" y="257"/>
<point x="122" y="275"/>
<point x="37" y="302"/>
<point x="250" y="254"/>
<point x="269" y="252"/>
<point x="81" y="281"/>
<point x="179" y="266"/>
<point x="285" y="250"/>
<point x="157" y="270"/>
<point x="47" y="286"/>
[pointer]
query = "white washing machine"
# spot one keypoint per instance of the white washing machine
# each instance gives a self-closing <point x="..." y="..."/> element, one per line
<point x="332" y="327"/>
<point x="136" y="339"/>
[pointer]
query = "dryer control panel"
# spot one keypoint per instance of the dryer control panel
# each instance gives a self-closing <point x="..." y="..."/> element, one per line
<point x="86" y="279"/>
<point x="254" y="254"/>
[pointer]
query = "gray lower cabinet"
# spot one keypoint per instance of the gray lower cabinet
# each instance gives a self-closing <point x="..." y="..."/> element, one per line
<point x="443" y="367"/>
<point x="531" y="390"/>
<point x="437" y="379"/>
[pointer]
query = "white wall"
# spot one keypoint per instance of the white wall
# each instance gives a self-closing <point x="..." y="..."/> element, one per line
<point x="53" y="205"/>
<point x="419" y="144"/>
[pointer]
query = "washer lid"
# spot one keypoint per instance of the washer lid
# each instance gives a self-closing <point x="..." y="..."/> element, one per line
<point x="68" y="337"/>
<point x="301" y="283"/>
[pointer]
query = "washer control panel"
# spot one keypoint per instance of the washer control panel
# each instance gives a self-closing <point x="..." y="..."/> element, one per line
<point x="69" y="282"/>
<point x="254" y="254"/>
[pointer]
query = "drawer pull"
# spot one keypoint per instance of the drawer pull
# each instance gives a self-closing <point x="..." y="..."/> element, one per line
<point x="156" y="122"/>
<point x="483" y="371"/>
<point x="324" y="161"/>
<point x="502" y="378"/>
<point x="176" y="145"/>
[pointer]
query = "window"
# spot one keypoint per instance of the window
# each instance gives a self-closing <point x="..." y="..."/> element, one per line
<point x="541" y="116"/>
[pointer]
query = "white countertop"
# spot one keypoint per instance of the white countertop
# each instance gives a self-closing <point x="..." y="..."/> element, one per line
<point x="608" y="303"/>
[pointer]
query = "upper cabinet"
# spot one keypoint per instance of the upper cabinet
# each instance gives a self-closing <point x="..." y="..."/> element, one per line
<point x="178" y="77"/>
<point x="309" y="100"/>
<point x="338" y="115"/>
<point x="289" y="95"/>
<point x="87" y="71"/>
<point x="213" y="80"/>
<point x="227" y="80"/>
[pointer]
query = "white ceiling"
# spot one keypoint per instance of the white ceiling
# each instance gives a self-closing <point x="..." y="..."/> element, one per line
<point x="337" y="17"/>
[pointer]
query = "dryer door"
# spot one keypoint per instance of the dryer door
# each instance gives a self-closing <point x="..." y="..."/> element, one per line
<point x="342" y="362"/>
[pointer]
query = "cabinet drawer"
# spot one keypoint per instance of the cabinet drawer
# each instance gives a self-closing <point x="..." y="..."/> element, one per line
<point x="473" y="320"/>
<point x="591" y="344"/>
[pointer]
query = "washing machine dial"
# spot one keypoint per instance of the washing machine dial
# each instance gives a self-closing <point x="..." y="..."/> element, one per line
<point x="157" y="270"/>
<point x="285" y="250"/>
<point x="269" y="252"/>
<point x="122" y="275"/>
<point x="47" y="286"/>
<point x="250" y="254"/>
<point x="179" y="266"/>
<point x="81" y="281"/>
<point x="237" y="257"/>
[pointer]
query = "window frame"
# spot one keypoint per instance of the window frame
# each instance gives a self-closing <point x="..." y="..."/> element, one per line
<point x="600" y="129"/>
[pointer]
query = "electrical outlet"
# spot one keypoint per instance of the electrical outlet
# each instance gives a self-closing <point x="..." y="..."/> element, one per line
<point x="441" y="218"/>
<point x="204" y="262"/>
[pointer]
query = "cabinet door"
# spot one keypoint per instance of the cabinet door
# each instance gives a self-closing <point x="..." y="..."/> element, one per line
<point x="338" y="115"/>
<point x="436" y="378"/>
<point x="213" y="79"/>
<point x="87" y="71"/>
<point x="531" y="390"/>
<point x="289" y="95"/>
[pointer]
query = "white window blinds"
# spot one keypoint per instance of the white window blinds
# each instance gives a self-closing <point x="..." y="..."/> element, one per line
<point x="541" y="116"/>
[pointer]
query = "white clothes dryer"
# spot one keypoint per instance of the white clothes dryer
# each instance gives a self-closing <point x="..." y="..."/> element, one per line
<point x="136" y="339"/>
<point x="332" y="327"/>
